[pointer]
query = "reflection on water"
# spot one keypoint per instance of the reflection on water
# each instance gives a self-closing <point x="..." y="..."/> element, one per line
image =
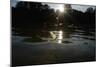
<point x="58" y="46"/>
<point x="54" y="46"/>
<point x="68" y="36"/>
<point x="57" y="36"/>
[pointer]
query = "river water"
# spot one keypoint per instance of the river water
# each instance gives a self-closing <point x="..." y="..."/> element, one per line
<point x="59" y="47"/>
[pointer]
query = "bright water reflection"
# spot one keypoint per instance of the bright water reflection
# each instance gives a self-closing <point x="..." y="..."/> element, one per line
<point x="57" y="36"/>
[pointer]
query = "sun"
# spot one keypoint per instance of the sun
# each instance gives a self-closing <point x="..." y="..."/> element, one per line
<point x="61" y="8"/>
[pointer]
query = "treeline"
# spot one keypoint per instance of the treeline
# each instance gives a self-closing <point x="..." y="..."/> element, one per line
<point x="35" y="16"/>
<point x="38" y="16"/>
<point x="85" y="19"/>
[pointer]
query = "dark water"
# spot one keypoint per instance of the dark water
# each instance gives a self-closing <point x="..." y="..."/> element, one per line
<point x="72" y="45"/>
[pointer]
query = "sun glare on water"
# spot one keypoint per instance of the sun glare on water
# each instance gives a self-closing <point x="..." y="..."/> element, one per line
<point x="60" y="37"/>
<point x="57" y="36"/>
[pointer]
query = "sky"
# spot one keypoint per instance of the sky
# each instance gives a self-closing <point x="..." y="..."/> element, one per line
<point x="82" y="8"/>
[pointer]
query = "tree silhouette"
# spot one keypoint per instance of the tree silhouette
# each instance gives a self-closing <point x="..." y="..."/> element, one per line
<point x="35" y="16"/>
